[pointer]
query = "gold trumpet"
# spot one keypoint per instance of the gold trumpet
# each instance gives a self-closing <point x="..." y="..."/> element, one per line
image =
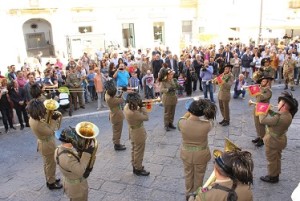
<point x="149" y="102"/>
<point x="250" y="103"/>
<point x="52" y="105"/>
<point x="229" y="146"/>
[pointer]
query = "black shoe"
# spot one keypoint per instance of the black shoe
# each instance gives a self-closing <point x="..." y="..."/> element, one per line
<point x="133" y="168"/>
<point x="56" y="181"/>
<point x="286" y="87"/>
<point x="256" y="140"/>
<point x="82" y="107"/>
<point x="172" y="126"/>
<point x="22" y="127"/>
<point x="226" y="123"/>
<point x="119" y="147"/>
<point x="142" y="172"/>
<point x="167" y="128"/>
<point x="54" y="186"/>
<point x="13" y="127"/>
<point x="259" y="143"/>
<point x="27" y="125"/>
<point x="221" y="122"/>
<point x="270" y="179"/>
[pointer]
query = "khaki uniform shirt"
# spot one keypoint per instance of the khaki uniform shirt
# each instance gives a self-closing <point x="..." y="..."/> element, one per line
<point x="168" y="98"/>
<point x="73" y="80"/>
<point x="265" y="95"/>
<point x="224" y="93"/>
<point x="135" y="118"/>
<point x="276" y="128"/>
<point x="116" y="114"/>
<point x="243" y="192"/>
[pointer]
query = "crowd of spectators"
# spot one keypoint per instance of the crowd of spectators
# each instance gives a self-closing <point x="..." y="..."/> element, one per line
<point x="85" y="77"/>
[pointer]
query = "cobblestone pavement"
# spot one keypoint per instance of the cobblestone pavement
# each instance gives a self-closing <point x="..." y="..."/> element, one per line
<point x="22" y="176"/>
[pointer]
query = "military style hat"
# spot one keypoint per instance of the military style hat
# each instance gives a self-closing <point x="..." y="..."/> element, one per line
<point x="290" y="100"/>
<point x="264" y="60"/>
<point x="66" y="135"/>
<point x="228" y="65"/>
<point x="110" y="87"/>
<point x="263" y="77"/>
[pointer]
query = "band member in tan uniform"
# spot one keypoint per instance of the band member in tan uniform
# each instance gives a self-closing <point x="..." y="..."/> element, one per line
<point x="224" y="94"/>
<point x="275" y="140"/>
<point x="234" y="176"/>
<point x="72" y="167"/>
<point x="116" y="115"/>
<point x="264" y="97"/>
<point x="288" y="72"/>
<point x="195" y="154"/>
<point x="44" y="133"/>
<point x="136" y="114"/>
<point x="169" y="98"/>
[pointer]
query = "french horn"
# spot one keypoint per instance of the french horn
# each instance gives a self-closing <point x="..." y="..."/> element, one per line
<point x="229" y="146"/>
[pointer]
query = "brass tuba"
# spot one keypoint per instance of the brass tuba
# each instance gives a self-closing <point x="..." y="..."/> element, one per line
<point x="87" y="133"/>
<point x="51" y="105"/>
<point x="229" y="146"/>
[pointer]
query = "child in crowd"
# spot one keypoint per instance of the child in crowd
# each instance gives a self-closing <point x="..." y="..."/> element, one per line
<point x="148" y="84"/>
<point x="134" y="80"/>
<point x="157" y="88"/>
<point x="180" y="82"/>
<point x="91" y="84"/>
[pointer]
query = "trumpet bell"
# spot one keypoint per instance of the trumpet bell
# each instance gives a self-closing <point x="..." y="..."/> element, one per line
<point x="87" y="130"/>
<point x="230" y="146"/>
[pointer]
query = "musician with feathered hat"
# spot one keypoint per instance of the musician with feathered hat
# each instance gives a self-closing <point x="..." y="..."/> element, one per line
<point x="135" y="114"/>
<point x="116" y="115"/>
<point x="277" y="124"/>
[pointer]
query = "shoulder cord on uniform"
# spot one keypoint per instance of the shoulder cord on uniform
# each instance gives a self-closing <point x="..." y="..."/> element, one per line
<point x="63" y="152"/>
<point x="232" y="196"/>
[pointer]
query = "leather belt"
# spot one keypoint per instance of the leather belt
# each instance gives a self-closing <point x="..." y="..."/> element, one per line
<point x="193" y="148"/>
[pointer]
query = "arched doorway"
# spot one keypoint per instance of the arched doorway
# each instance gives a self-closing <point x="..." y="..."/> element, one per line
<point x="38" y="38"/>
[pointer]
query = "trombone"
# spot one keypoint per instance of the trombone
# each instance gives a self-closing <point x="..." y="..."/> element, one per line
<point x="127" y="89"/>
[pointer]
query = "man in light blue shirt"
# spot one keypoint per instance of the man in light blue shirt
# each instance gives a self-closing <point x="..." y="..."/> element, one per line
<point x="206" y="74"/>
<point x="122" y="76"/>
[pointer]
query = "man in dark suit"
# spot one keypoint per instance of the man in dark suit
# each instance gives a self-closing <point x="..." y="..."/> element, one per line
<point x="156" y="65"/>
<point x="227" y="55"/>
<point x="197" y="64"/>
<point x="220" y="60"/>
<point x="172" y="63"/>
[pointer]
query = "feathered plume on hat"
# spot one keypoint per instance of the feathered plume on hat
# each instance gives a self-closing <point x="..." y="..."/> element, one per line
<point x="110" y="87"/>
<point x="133" y="100"/>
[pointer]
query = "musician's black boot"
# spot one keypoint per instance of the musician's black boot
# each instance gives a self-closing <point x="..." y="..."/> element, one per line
<point x="256" y="140"/>
<point x="142" y="172"/>
<point x="221" y="122"/>
<point x="260" y="143"/>
<point x="119" y="147"/>
<point x="226" y="123"/>
<point x="270" y="179"/>
<point x="56" y="181"/>
<point x="172" y="126"/>
<point x="167" y="128"/>
<point x="55" y="185"/>
<point x="286" y="86"/>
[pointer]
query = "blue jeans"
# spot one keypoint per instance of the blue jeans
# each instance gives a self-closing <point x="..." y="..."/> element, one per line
<point x="149" y="94"/>
<point x="238" y="92"/>
<point x="208" y="87"/>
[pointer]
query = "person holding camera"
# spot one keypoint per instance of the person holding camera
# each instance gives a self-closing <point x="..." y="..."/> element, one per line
<point x="169" y="98"/>
<point x="44" y="133"/>
<point x="206" y="75"/>
<point x="73" y="168"/>
<point x="121" y="76"/>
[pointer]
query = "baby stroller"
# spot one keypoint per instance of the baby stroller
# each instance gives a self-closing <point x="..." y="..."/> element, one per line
<point x="64" y="99"/>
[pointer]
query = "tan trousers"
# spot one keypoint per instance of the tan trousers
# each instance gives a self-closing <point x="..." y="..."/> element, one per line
<point x="49" y="168"/>
<point x="224" y="108"/>
<point x="138" y="140"/>
<point x="289" y="78"/>
<point x="260" y="128"/>
<point x="77" y="192"/>
<point x="274" y="161"/>
<point x="194" y="174"/>
<point x="117" y="131"/>
<point x="169" y="112"/>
